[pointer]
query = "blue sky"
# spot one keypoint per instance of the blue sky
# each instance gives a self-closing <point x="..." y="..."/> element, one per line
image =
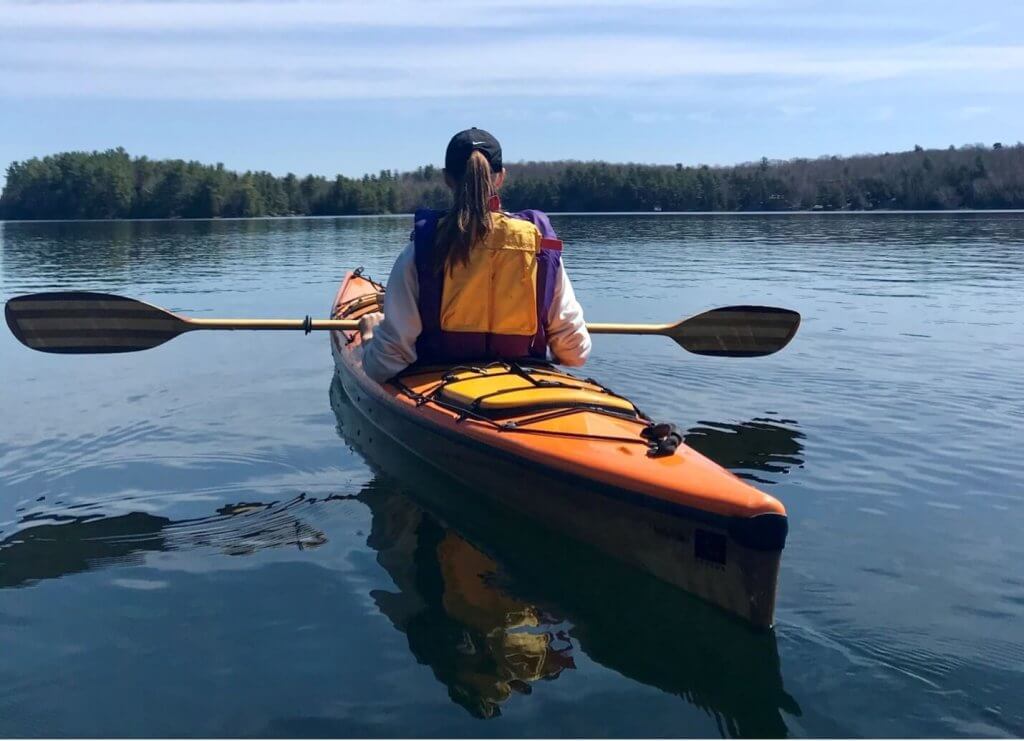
<point x="351" y="87"/>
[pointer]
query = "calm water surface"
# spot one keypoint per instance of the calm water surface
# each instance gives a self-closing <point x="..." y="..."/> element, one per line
<point x="189" y="545"/>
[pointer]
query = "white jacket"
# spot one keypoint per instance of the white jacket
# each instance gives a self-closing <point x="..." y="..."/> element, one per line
<point x="393" y="346"/>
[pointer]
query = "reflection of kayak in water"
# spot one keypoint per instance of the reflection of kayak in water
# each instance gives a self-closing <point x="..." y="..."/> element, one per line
<point x="473" y="580"/>
<point x="580" y="459"/>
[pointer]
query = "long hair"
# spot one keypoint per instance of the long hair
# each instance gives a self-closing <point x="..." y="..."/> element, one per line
<point x="469" y="221"/>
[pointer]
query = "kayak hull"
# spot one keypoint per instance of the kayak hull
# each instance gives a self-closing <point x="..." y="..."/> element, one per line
<point x="731" y="560"/>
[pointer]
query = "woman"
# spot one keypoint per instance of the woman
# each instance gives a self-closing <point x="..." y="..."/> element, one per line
<point x="475" y="283"/>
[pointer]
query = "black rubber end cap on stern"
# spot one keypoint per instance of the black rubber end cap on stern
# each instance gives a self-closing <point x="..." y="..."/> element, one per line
<point x="765" y="532"/>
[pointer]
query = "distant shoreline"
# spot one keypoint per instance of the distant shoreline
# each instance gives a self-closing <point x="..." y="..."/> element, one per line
<point x="849" y="212"/>
<point x="115" y="185"/>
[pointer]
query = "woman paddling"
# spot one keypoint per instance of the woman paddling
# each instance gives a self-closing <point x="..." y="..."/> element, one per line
<point x="475" y="283"/>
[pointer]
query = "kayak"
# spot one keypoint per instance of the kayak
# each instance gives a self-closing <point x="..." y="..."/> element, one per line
<point x="650" y="632"/>
<point x="579" y="459"/>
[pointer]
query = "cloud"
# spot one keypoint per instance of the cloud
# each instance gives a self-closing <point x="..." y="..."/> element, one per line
<point x="651" y="117"/>
<point x="182" y="67"/>
<point x="194" y="16"/>
<point x="408" y="49"/>
<point x="882" y="114"/>
<point x="795" y="111"/>
<point x="704" y="117"/>
<point x="973" y="111"/>
<point x="559" y="116"/>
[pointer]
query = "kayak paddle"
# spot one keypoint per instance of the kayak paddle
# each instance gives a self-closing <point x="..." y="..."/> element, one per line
<point x="86" y="322"/>
<point x="731" y="332"/>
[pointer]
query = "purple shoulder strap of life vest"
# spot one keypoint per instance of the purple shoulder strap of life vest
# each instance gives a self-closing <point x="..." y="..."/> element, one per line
<point x="428" y="345"/>
<point x="549" y="263"/>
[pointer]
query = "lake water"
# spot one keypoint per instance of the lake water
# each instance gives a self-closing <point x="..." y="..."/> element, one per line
<point x="190" y="547"/>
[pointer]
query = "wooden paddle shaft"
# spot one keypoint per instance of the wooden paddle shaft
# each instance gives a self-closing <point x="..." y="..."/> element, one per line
<point x="337" y="324"/>
<point x="350" y="324"/>
<point x="628" y="328"/>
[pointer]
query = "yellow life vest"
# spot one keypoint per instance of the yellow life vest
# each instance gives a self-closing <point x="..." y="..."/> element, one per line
<point x="495" y="292"/>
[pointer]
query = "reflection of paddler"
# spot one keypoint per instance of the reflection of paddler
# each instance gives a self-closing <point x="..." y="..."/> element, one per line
<point x="480" y="642"/>
<point x="469" y="597"/>
<point x="519" y="656"/>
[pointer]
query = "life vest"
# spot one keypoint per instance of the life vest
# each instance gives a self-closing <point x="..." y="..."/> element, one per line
<point x="495" y="306"/>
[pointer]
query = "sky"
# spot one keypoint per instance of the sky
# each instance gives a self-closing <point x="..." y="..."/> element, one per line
<point x="325" y="87"/>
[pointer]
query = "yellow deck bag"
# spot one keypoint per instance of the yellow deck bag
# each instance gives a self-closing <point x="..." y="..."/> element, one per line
<point x="497" y="391"/>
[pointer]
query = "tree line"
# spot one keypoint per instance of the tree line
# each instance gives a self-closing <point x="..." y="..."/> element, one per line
<point x="114" y="185"/>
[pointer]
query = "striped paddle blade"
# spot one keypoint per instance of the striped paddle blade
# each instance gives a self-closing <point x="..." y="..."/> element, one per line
<point x="84" y="322"/>
<point x="737" y="331"/>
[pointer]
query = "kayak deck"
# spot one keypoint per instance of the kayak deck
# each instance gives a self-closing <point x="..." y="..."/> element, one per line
<point x="573" y="454"/>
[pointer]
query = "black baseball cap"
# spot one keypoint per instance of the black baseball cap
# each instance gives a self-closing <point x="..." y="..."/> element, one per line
<point x="464" y="144"/>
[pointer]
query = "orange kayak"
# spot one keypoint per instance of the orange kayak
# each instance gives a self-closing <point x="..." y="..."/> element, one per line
<point x="580" y="460"/>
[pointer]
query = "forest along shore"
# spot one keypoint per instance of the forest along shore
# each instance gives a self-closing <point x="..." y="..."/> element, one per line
<point x="115" y="185"/>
